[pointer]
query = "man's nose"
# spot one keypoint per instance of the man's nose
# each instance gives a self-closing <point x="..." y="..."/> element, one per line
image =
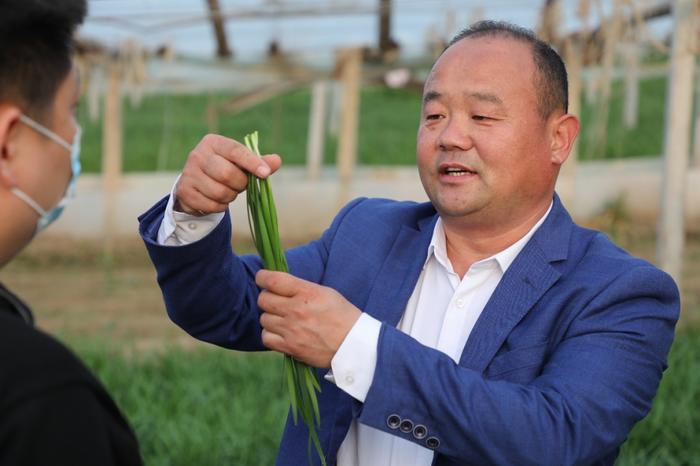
<point x="455" y="135"/>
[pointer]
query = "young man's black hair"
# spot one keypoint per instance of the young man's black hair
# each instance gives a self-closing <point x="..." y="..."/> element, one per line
<point x="36" y="46"/>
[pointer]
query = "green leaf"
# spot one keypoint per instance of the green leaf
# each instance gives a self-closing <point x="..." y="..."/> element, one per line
<point x="310" y="377"/>
<point x="291" y="386"/>
<point x="302" y="380"/>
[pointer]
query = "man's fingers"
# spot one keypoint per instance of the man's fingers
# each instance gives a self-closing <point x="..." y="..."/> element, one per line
<point x="273" y="161"/>
<point x="272" y="303"/>
<point x="221" y="170"/>
<point x="272" y="322"/>
<point x="273" y="341"/>
<point x="214" y="190"/>
<point x="193" y="202"/>
<point x="238" y="154"/>
<point x="279" y="283"/>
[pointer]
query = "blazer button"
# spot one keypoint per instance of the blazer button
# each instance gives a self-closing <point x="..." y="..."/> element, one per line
<point x="420" y="431"/>
<point x="393" y="421"/>
<point x="432" y="443"/>
<point x="406" y="426"/>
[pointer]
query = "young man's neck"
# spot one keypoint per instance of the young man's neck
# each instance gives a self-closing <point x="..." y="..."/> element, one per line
<point x="14" y="223"/>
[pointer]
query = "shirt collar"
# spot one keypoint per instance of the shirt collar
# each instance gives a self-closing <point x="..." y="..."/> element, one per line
<point x="438" y="246"/>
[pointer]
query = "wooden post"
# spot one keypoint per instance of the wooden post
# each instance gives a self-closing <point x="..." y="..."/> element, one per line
<point x="217" y="22"/>
<point x="336" y="107"/>
<point x="95" y="78"/>
<point x="592" y="85"/>
<point x="450" y="24"/>
<point x="612" y="34"/>
<point x="550" y="18"/>
<point x="567" y="174"/>
<point x="671" y="232"/>
<point x="111" y="153"/>
<point x="386" y="43"/>
<point x="476" y="14"/>
<point x="695" y="162"/>
<point x="350" y="74"/>
<point x="631" y="109"/>
<point x="317" y="131"/>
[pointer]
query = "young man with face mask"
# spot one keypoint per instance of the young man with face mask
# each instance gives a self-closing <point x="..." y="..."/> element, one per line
<point x="52" y="409"/>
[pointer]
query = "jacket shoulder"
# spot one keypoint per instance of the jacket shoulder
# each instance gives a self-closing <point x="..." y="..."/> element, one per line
<point x="379" y="211"/>
<point x="601" y="260"/>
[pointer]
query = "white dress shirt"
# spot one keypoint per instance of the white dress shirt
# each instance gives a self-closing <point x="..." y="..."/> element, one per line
<point x="440" y="313"/>
<point x="179" y="228"/>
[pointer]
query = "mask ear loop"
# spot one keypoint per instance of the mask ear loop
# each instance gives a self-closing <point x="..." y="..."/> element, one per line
<point x="31" y="202"/>
<point x="45" y="131"/>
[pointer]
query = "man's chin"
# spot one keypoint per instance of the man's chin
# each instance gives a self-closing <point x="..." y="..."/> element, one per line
<point x="461" y="211"/>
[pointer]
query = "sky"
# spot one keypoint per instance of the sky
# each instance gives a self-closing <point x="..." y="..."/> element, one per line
<point x="183" y="23"/>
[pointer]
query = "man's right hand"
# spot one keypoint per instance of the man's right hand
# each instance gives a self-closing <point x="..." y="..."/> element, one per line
<point x="215" y="173"/>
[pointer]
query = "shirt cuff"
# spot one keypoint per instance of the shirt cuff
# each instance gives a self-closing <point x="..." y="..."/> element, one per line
<point x="352" y="367"/>
<point x="180" y="229"/>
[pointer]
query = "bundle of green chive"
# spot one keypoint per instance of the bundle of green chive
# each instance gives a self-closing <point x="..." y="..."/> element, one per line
<point x="302" y="380"/>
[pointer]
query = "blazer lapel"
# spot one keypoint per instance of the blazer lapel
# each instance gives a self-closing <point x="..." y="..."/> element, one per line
<point x="530" y="275"/>
<point x="398" y="275"/>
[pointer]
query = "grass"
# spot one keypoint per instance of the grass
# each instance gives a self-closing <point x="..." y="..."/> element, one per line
<point x="669" y="434"/>
<point x="160" y="133"/>
<point x="644" y="140"/>
<point x="211" y="406"/>
<point x="204" y="407"/>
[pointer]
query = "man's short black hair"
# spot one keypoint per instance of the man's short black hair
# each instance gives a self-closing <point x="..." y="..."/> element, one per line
<point x="36" y="46"/>
<point x="551" y="82"/>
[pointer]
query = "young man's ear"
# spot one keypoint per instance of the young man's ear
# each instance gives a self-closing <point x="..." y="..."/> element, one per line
<point x="9" y="119"/>
<point x="564" y="130"/>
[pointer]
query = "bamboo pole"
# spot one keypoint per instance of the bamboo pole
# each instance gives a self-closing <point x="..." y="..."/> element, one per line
<point x="612" y="35"/>
<point x="336" y="107"/>
<point x="346" y="158"/>
<point x="550" y="18"/>
<point x="476" y="14"/>
<point x="111" y="153"/>
<point x="567" y="176"/>
<point x="317" y="130"/>
<point x="631" y="106"/>
<point x="695" y="162"/>
<point x="385" y="42"/>
<point x="671" y="234"/>
<point x="217" y="22"/>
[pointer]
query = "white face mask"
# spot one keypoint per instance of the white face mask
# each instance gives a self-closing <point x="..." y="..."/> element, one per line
<point x="48" y="217"/>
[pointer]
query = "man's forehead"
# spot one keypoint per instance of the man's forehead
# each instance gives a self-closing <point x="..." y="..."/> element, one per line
<point x="485" y="51"/>
<point x="486" y="58"/>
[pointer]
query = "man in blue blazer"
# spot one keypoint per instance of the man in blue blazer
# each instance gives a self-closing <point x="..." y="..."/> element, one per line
<point x="484" y="327"/>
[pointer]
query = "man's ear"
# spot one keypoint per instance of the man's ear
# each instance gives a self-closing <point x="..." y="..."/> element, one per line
<point x="564" y="130"/>
<point x="9" y="119"/>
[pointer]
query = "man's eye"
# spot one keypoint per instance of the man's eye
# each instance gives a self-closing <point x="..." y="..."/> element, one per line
<point x="480" y="118"/>
<point x="433" y="116"/>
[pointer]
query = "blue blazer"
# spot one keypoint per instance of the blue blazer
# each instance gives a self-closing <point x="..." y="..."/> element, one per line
<point x="564" y="360"/>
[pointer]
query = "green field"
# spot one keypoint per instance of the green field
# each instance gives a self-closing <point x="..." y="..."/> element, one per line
<point x="213" y="407"/>
<point x="159" y="133"/>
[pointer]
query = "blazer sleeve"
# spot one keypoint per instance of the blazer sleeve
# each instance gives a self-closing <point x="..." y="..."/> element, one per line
<point x="597" y="383"/>
<point x="210" y="292"/>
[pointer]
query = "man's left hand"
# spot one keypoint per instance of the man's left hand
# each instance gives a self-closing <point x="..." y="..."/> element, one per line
<point x="303" y="319"/>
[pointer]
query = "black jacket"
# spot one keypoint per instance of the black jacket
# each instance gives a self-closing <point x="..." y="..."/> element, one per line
<point x="53" y="411"/>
